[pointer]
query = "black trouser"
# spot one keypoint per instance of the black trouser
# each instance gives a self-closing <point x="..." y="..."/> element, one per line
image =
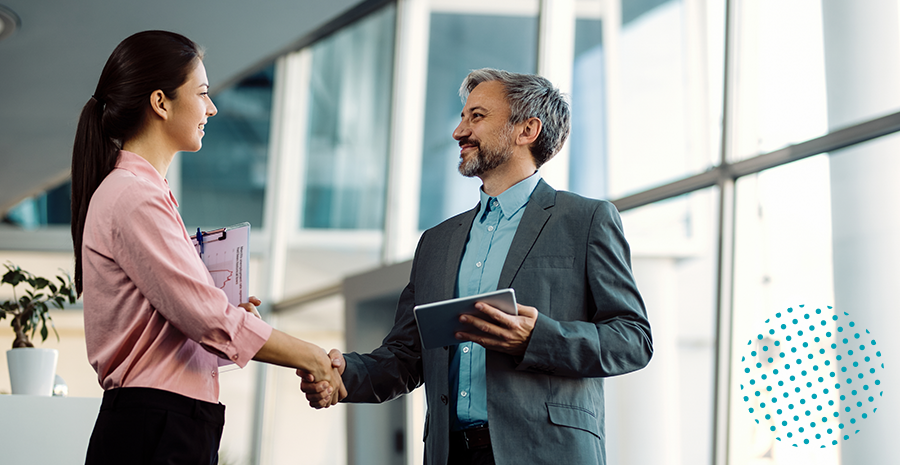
<point x="482" y="456"/>
<point x="471" y="447"/>
<point x="152" y="426"/>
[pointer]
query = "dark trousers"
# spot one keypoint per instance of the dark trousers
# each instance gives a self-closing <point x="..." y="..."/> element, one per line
<point x="152" y="426"/>
<point x="471" y="447"/>
<point x="481" y="456"/>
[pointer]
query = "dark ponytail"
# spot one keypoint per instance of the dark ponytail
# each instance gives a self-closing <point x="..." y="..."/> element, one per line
<point x="141" y="64"/>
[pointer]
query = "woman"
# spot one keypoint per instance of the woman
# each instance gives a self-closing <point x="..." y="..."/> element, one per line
<point x="155" y="325"/>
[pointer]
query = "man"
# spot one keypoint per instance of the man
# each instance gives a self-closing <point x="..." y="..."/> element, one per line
<point x="530" y="390"/>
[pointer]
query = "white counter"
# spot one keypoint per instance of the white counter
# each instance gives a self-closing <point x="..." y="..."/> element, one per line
<point x="46" y="430"/>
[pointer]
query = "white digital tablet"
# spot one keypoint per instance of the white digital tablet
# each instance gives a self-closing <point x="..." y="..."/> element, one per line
<point x="439" y="321"/>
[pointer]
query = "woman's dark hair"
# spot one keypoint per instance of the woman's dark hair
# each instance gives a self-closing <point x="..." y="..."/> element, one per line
<point x="141" y="64"/>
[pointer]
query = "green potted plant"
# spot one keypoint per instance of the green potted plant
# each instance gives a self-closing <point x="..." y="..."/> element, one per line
<point x="32" y="370"/>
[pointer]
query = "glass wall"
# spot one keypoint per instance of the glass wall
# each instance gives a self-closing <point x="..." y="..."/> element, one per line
<point x="780" y="77"/>
<point x="783" y="260"/>
<point x="670" y="403"/>
<point x="47" y="209"/>
<point x="665" y="81"/>
<point x="349" y="126"/>
<point x="587" y="142"/>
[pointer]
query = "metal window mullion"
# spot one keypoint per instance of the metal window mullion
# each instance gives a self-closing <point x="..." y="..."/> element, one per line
<point x="726" y="239"/>
<point x="830" y="142"/>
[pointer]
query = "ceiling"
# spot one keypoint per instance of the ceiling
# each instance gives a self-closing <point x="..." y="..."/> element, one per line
<point x="49" y="67"/>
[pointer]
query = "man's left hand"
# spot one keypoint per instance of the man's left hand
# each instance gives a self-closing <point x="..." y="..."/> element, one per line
<point x="502" y="332"/>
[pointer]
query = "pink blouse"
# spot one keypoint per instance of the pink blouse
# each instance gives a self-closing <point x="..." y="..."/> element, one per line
<point x="152" y="314"/>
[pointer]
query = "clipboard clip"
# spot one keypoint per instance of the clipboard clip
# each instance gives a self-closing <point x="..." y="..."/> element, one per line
<point x="222" y="232"/>
<point x="200" y="241"/>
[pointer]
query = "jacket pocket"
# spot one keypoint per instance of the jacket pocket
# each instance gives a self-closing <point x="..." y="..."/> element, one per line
<point x="574" y="417"/>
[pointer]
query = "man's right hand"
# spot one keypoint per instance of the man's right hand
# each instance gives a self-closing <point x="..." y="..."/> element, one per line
<point x="316" y="392"/>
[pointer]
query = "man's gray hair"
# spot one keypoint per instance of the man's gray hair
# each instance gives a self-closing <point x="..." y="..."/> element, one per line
<point x="529" y="96"/>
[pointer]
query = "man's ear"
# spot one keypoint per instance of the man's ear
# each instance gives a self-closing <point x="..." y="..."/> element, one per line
<point x="530" y="130"/>
<point x="159" y="104"/>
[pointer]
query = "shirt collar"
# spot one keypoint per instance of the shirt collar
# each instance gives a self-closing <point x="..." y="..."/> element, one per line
<point x="140" y="167"/>
<point x="513" y="199"/>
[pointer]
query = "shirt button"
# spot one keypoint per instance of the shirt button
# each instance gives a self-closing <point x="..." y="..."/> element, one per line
<point x="214" y="374"/>
<point x="465" y="350"/>
<point x="478" y="265"/>
<point x="234" y="357"/>
<point x="490" y="228"/>
<point x="495" y="204"/>
<point x="464" y="393"/>
<point x="444" y="399"/>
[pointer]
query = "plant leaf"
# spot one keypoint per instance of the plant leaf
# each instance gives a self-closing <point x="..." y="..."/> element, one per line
<point x="13" y="276"/>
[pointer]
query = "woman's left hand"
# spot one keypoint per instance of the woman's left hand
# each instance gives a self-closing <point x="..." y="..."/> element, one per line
<point x="251" y="306"/>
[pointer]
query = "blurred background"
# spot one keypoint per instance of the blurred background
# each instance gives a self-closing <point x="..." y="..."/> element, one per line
<point x="750" y="145"/>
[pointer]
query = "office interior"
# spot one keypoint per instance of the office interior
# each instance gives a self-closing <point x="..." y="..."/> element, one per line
<point x="750" y="146"/>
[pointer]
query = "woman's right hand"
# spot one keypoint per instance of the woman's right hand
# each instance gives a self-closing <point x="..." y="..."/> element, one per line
<point x="287" y="351"/>
<point x="322" y="391"/>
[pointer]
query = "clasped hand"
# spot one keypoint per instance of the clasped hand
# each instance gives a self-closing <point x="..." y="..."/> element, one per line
<point x="501" y="332"/>
<point x="311" y="361"/>
<point x="319" y="392"/>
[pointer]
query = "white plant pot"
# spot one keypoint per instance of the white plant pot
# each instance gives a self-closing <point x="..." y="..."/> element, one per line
<point x="32" y="371"/>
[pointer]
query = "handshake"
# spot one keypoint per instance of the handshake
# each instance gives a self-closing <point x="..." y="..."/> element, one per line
<point x="327" y="388"/>
<point x="320" y="372"/>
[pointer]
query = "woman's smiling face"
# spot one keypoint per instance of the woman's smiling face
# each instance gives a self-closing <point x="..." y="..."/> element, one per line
<point x="190" y="110"/>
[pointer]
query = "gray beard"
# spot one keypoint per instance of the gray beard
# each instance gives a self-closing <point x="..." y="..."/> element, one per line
<point x="486" y="159"/>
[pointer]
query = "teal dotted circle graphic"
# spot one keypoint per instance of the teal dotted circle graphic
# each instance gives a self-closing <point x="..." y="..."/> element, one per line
<point x="811" y="376"/>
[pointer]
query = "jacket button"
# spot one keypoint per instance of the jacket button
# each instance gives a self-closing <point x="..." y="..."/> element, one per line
<point x="444" y="399"/>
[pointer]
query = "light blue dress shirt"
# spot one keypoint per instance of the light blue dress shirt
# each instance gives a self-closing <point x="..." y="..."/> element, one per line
<point x="479" y="271"/>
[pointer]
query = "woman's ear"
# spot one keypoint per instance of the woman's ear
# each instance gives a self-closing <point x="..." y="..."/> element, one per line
<point x="530" y="129"/>
<point x="159" y="104"/>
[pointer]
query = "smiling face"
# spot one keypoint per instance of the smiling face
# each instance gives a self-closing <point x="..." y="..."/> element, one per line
<point x="484" y="133"/>
<point x="190" y="110"/>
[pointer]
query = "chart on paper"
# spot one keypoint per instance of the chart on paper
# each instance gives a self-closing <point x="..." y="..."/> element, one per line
<point x="227" y="271"/>
<point x="225" y="256"/>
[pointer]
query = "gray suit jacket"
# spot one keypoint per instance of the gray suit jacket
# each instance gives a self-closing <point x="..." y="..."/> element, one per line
<point x="569" y="259"/>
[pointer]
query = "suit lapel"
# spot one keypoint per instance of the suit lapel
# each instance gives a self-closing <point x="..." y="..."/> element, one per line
<point x="535" y="216"/>
<point x="455" y="247"/>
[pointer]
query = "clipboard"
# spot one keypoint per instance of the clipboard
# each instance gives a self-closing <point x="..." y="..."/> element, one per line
<point x="226" y="254"/>
<point x="438" y="322"/>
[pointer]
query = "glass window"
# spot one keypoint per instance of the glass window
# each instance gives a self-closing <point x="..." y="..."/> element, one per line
<point x="783" y="260"/>
<point x="348" y="134"/>
<point x="52" y="207"/>
<point x="587" y="141"/>
<point x="780" y="76"/>
<point x="225" y="182"/>
<point x="671" y="402"/>
<point x="460" y="43"/>
<point x="666" y="78"/>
